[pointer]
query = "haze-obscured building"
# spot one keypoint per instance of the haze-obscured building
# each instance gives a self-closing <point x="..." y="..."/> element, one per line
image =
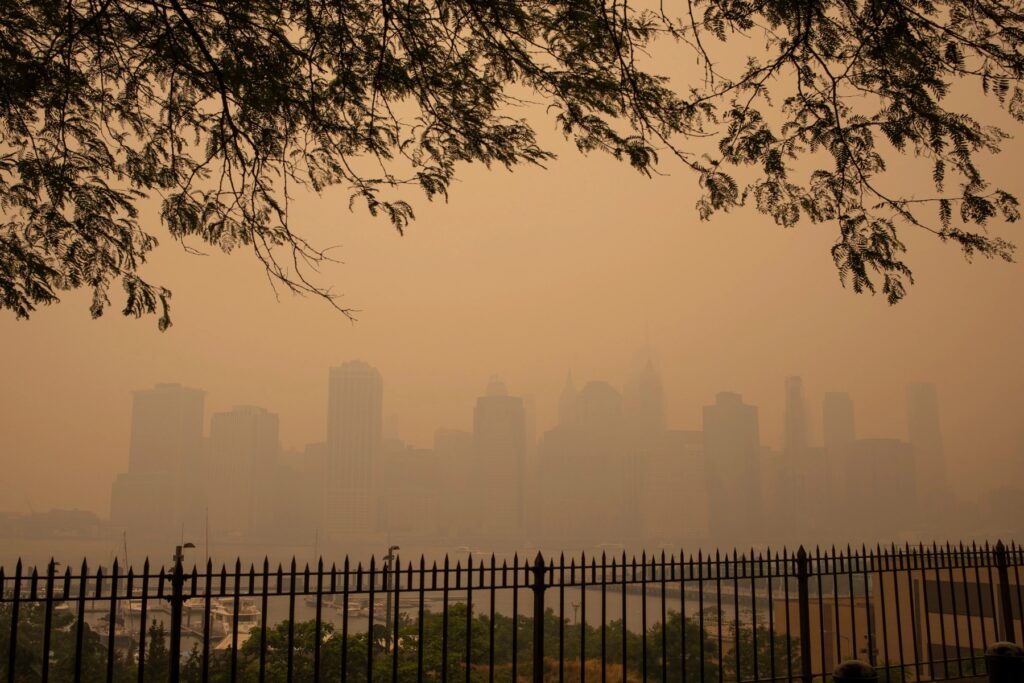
<point x="881" y="490"/>
<point x="354" y="430"/>
<point x="164" y="487"/>
<point x="244" y="482"/>
<point x="732" y="452"/>
<point x="925" y="434"/>
<point x="584" y="476"/>
<point x="499" y="462"/>
<point x="453" y="450"/>
<point x="409" y="486"/>
<point x="838" y="424"/>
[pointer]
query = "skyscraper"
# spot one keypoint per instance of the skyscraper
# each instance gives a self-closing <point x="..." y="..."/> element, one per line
<point x="599" y="415"/>
<point x="354" y="430"/>
<point x="732" y="452"/>
<point x="244" y="448"/>
<point x="794" y="433"/>
<point x="839" y="434"/>
<point x="793" y="472"/>
<point x="644" y="409"/>
<point x="881" y="490"/>
<point x="167" y="428"/>
<point x="581" y="481"/>
<point x="837" y="423"/>
<point x="499" y="444"/>
<point x="163" y="488"/>
<point x="567" y="403"/>
<point x="925" y="436"/>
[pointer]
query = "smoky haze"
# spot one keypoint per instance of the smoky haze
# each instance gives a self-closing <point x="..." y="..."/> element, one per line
<point x="584" y="268"/>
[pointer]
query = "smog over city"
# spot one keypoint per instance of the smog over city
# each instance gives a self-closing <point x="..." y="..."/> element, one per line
<point x="583" y="280"/>
<point x="486" y="286"/>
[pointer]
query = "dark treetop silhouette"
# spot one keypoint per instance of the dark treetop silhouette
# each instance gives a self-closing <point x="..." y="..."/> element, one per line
<point x="223" y="107"/>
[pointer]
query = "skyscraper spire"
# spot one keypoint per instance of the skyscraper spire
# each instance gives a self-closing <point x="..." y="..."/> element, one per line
<point x="644" y="403"/>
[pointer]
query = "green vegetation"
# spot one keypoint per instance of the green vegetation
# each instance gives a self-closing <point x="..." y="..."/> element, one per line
<point x="678" y="632"/>
<point x="29" y="658"/>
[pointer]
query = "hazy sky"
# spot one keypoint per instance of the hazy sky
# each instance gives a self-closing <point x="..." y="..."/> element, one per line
<point x="526" y="275"/>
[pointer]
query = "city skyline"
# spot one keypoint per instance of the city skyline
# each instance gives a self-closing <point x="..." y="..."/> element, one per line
<point x="544" y="415"/>
<point x="550" y="284"/>
<point x="812" y="426"/>
<point x="369" y="339"/>
<point x="609" y="469"/>
<point x="547" y="417"/>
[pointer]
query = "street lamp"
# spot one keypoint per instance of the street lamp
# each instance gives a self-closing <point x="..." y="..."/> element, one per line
<point x="177" y="601"/>
<point x="388" y="559"/>
<point x="179" y="552"/>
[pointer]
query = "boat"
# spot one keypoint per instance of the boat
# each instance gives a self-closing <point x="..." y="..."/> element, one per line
<point x="222" y="616"/>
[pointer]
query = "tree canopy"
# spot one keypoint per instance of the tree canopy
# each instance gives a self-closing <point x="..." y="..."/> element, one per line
<point x="220" y="109"/>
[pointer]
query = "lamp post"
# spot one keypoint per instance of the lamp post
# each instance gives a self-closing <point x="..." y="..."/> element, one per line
<point x="177" y="601"/>
<point x="179" y="552"/>
<point x="388" y="559"/>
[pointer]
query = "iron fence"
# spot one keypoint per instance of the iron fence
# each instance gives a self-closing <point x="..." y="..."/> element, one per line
<point x="915" y="613"/>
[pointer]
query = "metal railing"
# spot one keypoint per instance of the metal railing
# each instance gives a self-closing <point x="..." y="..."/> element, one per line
<point x="915" y="613"/>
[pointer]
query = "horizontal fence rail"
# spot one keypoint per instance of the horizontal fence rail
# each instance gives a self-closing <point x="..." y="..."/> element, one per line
<point x="914" y="613"/>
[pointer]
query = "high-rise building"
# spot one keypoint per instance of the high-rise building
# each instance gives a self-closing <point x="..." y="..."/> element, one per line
<point x="925" y="436"/>
<point x="567" y="403"/>
<point x="354" y="431"/>
<point x="453" y="449"/>
<point x="167" y="429"/>
<point x="244" y="449"/>
<point x="581" y="481"/>
<point x="732" y="451"/>
<point x="794" y="433"/>
<point x="599" y="413"/>
<point x="409" y="491"/>
<point x="673" y="501"/>
<point x="163" y="489"/>
<point x="881" y="490"/>
<point x="499" y="444"/>
<point x="837" y="423"/>
<point x="644" y="409"/>
<point x="802" y="473"/>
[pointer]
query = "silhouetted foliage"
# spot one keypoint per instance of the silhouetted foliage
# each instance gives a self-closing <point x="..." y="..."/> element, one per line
<point x="691" y="642"/>
<point x="408" y="650"/>
<point x="222" y="108"/>
<point x="63" y="633"/>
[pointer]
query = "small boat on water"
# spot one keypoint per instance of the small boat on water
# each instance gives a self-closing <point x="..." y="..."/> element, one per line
<point x="360" y="606"/>
<point x="223" y="616"/>
<point x="222" y="619"/>
<point x="356" y="608"/>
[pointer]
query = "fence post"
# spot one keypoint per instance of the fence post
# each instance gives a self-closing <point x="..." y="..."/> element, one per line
<point x="177" y="601"/>
<point x="12" y="669"/>
<point x="802" y="581"/>
<point x="538" y="619"/>
<point x="1004" y="593"/>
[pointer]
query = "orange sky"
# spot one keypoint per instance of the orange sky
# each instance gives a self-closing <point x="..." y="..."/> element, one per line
<point x="526" y="275"/>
